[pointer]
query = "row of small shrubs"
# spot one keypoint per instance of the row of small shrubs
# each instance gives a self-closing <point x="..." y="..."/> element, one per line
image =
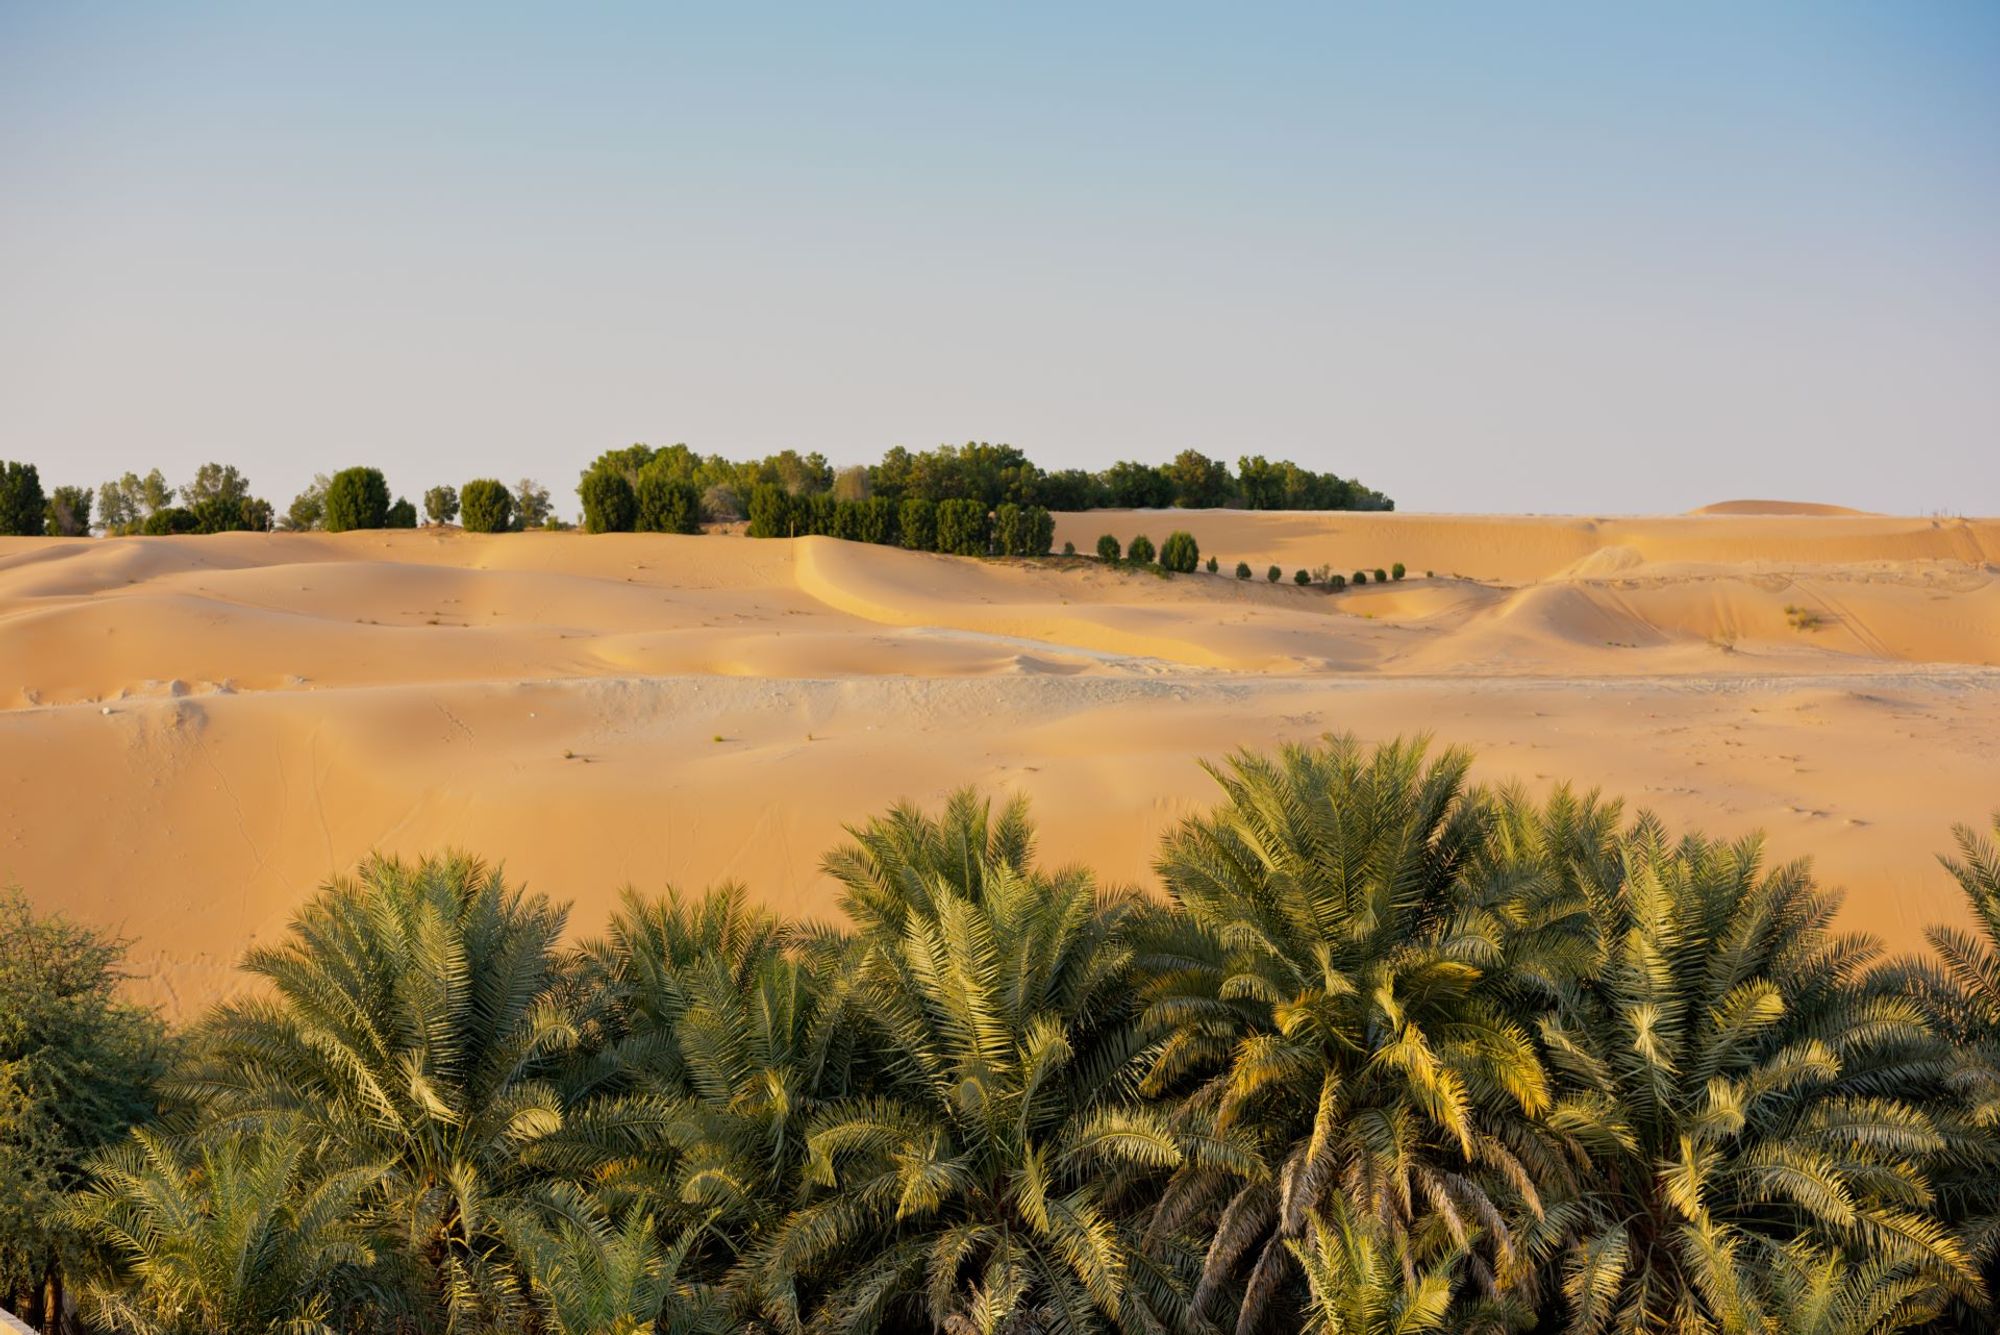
<point x="958" y="527"/>
<point x="1323" y="575"/>
<point x="1178" y="555"/>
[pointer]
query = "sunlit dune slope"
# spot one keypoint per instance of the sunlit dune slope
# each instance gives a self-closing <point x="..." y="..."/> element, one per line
<point x="195" y="731"/>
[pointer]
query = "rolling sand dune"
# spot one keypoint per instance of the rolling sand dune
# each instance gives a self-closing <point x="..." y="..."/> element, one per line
<point x="195" y="731"/>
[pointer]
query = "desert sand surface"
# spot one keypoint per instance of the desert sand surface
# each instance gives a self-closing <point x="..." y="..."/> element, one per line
<point x="195" y="731"/>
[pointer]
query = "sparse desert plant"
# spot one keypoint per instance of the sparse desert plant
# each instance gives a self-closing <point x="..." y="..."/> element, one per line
<point x="1803" y="618"/>
<point x="609" y="503"/>
<point x="1179" y="553"/>
<point x="356" y="498"/>
<point x="1108" y="548"/>
<point x="1381" y="575"/>
<point x="487" y="506"/>
<point x="441" y="504"/>
<point x="1274" y="574"/>
<point x="1302" y="577"/>
<point x="721" y="504"/>
<point x="1213" y="565"/>
<point x="1360" y="577"/>
<point x="1322" y="574"/>
<point x="1336" y="582"/>
<point x="1243" y="570"/>
<point x="532" y="508"/>
<point x="1069" y="549"/>
<point x="1396" y="571"/>
<point x="1139" y="551"/>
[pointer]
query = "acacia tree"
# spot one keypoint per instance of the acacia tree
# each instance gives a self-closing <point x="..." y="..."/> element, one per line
<point x="441" y="504"/>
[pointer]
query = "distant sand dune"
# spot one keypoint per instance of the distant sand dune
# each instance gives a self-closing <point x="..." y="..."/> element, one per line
<point x="195" y="731"/>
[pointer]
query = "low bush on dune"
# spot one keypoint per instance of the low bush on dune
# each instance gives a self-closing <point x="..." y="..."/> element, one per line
<point x="1243" y="570"/>
<point x="1389" y="1042"/>
<point x="1109" y="548"/>
<point x="1274" y="574"/>
<point x="1396" y="571"/>
<point x="1179" y="553"/>
<point x="1139" y="551"/>
<point x="486" y="506"/>
<point x="356" y="498"/>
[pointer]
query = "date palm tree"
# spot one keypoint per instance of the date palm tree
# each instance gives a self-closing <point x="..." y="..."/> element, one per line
<point x="1338" y="990"/>
<point x="993" y="1179"/>
<point x="1722" y="1082"/>
<point x="238" y="1237"/>
<point x="412" y="1024"/>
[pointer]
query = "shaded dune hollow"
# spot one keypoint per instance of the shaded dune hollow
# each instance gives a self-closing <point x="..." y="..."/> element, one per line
<point x="196" y="731"/>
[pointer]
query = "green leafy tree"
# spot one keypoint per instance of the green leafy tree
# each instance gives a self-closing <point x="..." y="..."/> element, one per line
<point x="441" y="504"/>
<point x="962" y="528"/>
<point x="122" y="506"/>
<point x="610" y="505"/>
<point x="1243" y="570"/>
<point x="486" y="505"/>
<point x="916" y="519"/>
<point x="308" y="508"/>
<point x="69" y="512"/>
<point x="532" y="508"/>
<point x="1274" y="574"/>
<point x="667" y="504"/>
<point x="1009" y="538"/>
<point x="1396" y="571"/>
<point x="401" y="515"/>
<point x="1198" y="482"/>
<point x="23" y="508"/>
<point x="1108" y="548"/>
<point x="356" y="498"/>
<point x="78" y="1068"/>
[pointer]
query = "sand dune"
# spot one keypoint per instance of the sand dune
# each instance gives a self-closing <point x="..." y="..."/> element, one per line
<point x="195" y="731"/>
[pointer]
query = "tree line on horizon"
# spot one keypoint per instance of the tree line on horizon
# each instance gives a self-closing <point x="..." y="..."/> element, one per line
<point x="671" y="489"/>
<point x="1391" y="1053"/>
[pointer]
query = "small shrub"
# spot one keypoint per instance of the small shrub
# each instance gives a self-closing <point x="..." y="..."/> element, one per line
<point x="962" y="528"/>
<point x="1140" y="551"/>
<point x="1396" y="571"/>
<point x="1336" y="582"/>
<point x="173" y="519"/>
<point x="1302" y="578"/>
<point x="487" y="505"/>
<point x="1213" y="565"/>
<point x="1243" y="570"/>
<point x="917" y="522"/>
<point x="1108" y="548"/>
<point x="1322" y="574"/>
<point x="1360" y="577"/>
<point x="357" y="498"/>
<point x="1381" y="575"/>
<point x="1069" y="549"/>
<point x="401" y="515"/>
<point x="1179" y="553"/>
<point x="441" y="504"/>
<point x="1274" y="574"/>
<point x="609" y="503"/>
<point x="1803" y="618"/>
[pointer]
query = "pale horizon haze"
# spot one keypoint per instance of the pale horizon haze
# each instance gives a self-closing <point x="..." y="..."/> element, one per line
<point x="1535" y="258"/>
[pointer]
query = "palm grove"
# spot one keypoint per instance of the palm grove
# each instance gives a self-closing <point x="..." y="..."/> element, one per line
<point x="676" y="490"/>
<point x="1391" y="1053"/>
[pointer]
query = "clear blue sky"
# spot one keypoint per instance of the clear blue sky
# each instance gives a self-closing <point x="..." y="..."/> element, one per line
<point x="1588" y="257"/>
